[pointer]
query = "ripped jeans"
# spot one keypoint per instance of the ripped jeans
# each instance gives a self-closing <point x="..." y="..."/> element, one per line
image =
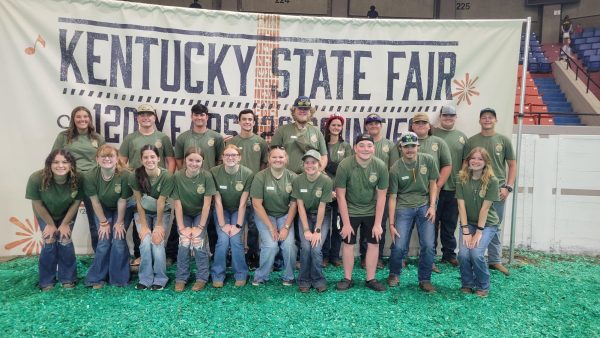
<point x="198" y="247"/>
<point x="57" y="258"/>
<point x="153" y="266"/>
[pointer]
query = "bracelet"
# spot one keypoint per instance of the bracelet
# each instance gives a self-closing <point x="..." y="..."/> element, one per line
<point x="479" y="228"/>
<point x="464" y="226"/>
<point x="392" y="224"/>
<point x="467" y="234"/>
<point x="104" y="224"/>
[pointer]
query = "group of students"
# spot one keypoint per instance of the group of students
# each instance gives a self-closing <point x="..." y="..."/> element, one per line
<point x="289" y="195"/>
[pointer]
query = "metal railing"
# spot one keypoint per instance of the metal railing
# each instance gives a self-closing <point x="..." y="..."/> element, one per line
<point x="571" y="61"/>
<point x="539" y="115"/>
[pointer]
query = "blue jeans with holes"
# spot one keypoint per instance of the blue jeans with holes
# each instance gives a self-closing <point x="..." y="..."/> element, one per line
<point x="153" y="266"/>
<point x="269" y="249"/>
<point x="57" y="258"/>
<point x="405" y="217"/>
<point x="495" y="246"/>
<point x="474" y="271"/>
<point x="111" y="262"/>
<point x="224" y="242"/>
<point x="311" y="258"/>
<point x="199" y="247"/>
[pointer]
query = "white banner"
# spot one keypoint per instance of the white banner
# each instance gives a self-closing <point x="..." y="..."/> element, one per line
<point x="111" y="56"/>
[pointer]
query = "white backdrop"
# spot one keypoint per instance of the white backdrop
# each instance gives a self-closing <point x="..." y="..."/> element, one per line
<point x="113" y="55"/>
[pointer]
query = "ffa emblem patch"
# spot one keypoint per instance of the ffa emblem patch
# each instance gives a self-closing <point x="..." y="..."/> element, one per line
<point x="256" y="147"/>
<point x="434" y="147"/>
<point x="239" y="186"/>
<point x="313" y="138"/>
<point x="373" y="178"/>
<point x="319" y="192"/>
<point x="95" y="143"/>
<point x="118" y="188"/>
<point x="461" y="140"/>
<point x="386" y="148"/>
<point x="74" y="194"/>
<point x="200" y="189"/>
<point x="288" y="188"/>
<point x="481" y="193"/>
<point x="158" y="144"/>
<point x="499" y="147"/>
<point x="211" y="142"/>
<point x="423" y="169"/>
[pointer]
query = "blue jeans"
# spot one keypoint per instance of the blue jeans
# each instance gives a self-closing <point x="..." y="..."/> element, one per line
<point x="199" y="246"/>
<point x="474" y="271"/>
<point x="311" y="259"/>
<point x="153" y="266"/>
<point x="224" y="242"/>
<point x="57" y="257"/>
<point x="405" y="217"/>
<point x="446" y="219"/>
<point x="93" y="225"/>
<point x="495" y="246"/>
<point x="269" y="249"/>
<point x="111" y="261"/>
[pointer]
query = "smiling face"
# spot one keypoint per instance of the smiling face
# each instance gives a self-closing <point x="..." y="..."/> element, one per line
<point x="277" y="158"/>
<point x="81" y="121"/>
<point x="146" y="119"/>
<point x="150" y="160"/>
<point x="335" y="127"/>
<point x="447" y="120"/>
<point x="301" y="114"/>
<point x="193" y="162"/>
<point x="476" y="161"/>
<point x="247" y="122"/>
<point x="364" y="150"/>
<point x="311" y="166"/>
<point x="410" y="151"/>
<point x="200" y="121"/>
<point x="373" y="128"/>
<point x="421" y="128"/>
<point x="487" y="121"/>
<point x="60" y="166"/>
<point x="231" y="157"/>
<point x="107" y="160"/>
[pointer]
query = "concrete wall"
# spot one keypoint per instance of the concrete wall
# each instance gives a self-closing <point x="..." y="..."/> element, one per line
<point x="586" y="12"/>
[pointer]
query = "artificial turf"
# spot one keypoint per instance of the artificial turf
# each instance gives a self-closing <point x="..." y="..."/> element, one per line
<point x="545" y="295"/>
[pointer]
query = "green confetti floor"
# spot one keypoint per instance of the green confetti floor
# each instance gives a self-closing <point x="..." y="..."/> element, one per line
<point x="546" y="295"/>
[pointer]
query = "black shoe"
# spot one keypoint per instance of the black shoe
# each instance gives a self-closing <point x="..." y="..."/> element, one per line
<point x="157" y="287"/>
<point x="140" y="286"/>
<point x="344" y="284"/>
<point x="374" y="285"/>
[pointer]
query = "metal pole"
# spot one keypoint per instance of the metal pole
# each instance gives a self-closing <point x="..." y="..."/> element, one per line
<point x="519" y="140"/>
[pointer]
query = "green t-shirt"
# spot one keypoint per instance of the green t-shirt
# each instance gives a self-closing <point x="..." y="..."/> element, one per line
<point x="57" y="198"/>
<point x="455" y="139"/>
<point x="210" y="142"/>
<point x="298" y="142"/>
<point x="437" y="148"/>
<point x="361" y="184"/>
<point x="386" y="151"/>
<point x="160" y="186"/>
<point x="312" y="193"/>
<point x="275" y="193"/>
<point x="471" y="193"/>
<point x="108" y="192"/>
<point x="133" y="143"/>
<point x="500" y="149"/>
<point x="410" y="181"/>
<point x="231" y="187"/>
<point x="335" y="154"/>
<point x="82" y="147"/>
<point x="191" y="191"/>
<point x="254" y="151"/>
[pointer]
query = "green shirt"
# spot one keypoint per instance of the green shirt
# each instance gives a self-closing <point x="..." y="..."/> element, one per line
<point x="312" y="193"/>
<point x="82" y="147"/>
<point x="108" y="192"/>
<point x="500" y="149"/>
<point x="386" y="151"/>
<point x="210" y="142"/>
<point x="455" y="139"/>
<point x="133" y="143"/>
<point x="160" y="186"/>
<point x="275" y="193"/>
<point x="231" y="187"/>
<point x="437" y="148"/>
<point x="335" y="154"/>
<point x="254" y="151"/>
<point x="57" y="198"/>
<point x="361" y="184"/>
<point x="410" y="181"/>
<point x="191" y="191"/>
<point x="298" y="142"/>
<point x="471" y="193"/>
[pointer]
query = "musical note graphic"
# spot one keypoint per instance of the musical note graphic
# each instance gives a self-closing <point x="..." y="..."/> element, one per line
<point x="31" y="50"/>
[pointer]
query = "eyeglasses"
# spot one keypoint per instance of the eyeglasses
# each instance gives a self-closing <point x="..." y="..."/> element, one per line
<point x="230" y="155"/>
<point x="280" y="147"/>
<point x="420" y="122"/>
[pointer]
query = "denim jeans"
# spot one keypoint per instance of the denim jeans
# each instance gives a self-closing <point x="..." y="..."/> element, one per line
<point x="495" y="246"/>
<point x="269" y="249"/>
<point x="57" y="257"/>
<point x="93" y="225"/>
<point x="405" y="217"/>
<point x="445" y="224"/>
<point x="333" y="240"/>
<point x="200" y="248"/>
<point x="111" y="262"/>
<point x="474" y="271"/>
<point x="153" y="266"/>
<point x="224" y="242"/>
<point x="311" y="258"/>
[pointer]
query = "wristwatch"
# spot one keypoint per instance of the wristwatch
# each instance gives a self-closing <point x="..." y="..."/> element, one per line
<point x="318" y="230"/>
<point x="239" y="226"/>
<point x="507" y="187"/>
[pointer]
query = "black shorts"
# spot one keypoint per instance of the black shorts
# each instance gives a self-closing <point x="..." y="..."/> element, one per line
<point x="366" y="229"/>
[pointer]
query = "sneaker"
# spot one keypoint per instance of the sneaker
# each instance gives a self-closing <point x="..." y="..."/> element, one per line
<point x="140" y="286"/>
<point x="427" y="287"/>
<point x="198" y="285"/>
<point x="217" y="284"/>
<point x="179" y="286"/>
<point x="451" y="261"/>
<point x="258" y="282"/>
<point x="435" y="269"/>
<point x="240" y="283"/>
<point x="321" y="288"/>
<point x="344" y="284"/>
<point x="157" y="287"/>
<point x="482" y="293"/>
<point x="47" y="288"/>
<point x="304" y="289"/>
<point x="380" y="264"/>
<point x="98" y="286"/>
<point x="393" y="280"/>
<point x="288" y="282"/>
<point x="375" y="285"/>
<point x="466" y="290"/>
<point x="501" y="268"/>
<point x="68" y="285"/>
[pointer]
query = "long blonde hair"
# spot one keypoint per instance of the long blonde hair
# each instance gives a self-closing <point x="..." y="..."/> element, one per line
<point x="465" y="174"/>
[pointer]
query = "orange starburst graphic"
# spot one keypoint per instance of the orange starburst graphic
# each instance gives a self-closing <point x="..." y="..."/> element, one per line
<point x="465" y="89"/>
<point x="32" y="242"/>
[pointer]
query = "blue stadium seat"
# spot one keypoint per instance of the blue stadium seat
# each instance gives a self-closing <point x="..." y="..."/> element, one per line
<point x="596" y="45"/>
<point x="588" y="33"/>
<point x="536" y="49"/>
<point x="545" y="66"/>
<point x="594" y="63"/>
<point x="575" y="36"/>
<point x="597" y="31"/>
<point x="592" y="39"/>
<point x="587" y="53"/>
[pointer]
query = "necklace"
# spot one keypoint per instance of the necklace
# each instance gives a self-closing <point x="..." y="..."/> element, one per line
<point x="413" y="169"/>
<point x="109" y="178"/>
<point x="475" y="185"/>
